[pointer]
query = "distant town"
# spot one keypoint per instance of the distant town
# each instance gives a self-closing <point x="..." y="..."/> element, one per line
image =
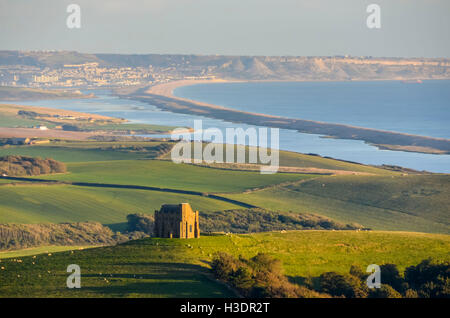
<point x="87" y="75"/>
<point x="68" y="69"/>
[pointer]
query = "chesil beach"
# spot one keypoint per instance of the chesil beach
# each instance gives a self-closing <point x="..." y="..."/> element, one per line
<point x="410" y="133"/>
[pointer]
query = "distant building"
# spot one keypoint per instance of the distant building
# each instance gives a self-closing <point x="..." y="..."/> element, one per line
<point x="19" y="141"/>
<point x="45" y="79"/>
<point x="177" y="221"/>
<point x="39" y="141"/>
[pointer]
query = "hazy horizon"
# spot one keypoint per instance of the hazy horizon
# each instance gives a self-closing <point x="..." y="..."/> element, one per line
<point x="409" y="28"/>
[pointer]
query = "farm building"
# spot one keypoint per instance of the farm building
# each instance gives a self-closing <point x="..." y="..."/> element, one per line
<point x="177" y="221"/>
<point x="19" y="141"/>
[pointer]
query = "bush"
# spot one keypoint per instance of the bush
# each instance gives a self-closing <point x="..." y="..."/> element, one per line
<point x="27" y="166"/>
<point x="385" y="291"/>
<point x="260" y="220"/>
<point x="141" y="223"/>
<point x="223" y="265"/>
<point x="19" y="236"/>
<point x="258" y="277"/>
<point x="391" y="276"/>
<point x="358" y="272"/>
<point x="430" y="278"/>
<point x="411" y="293"/>
<point x="343" y="285"/>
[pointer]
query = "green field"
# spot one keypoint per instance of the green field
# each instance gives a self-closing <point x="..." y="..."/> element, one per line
<point x="294" y="159"/>
<point x="403" y="203"/>
<point x="384" y="201"/>
<point x="179" y="268"/>
<point x="25" y="93"/>
<point x="66" y="151"/>
<point x="16" y="121"/>
<point x="167" y="174"/>
<point x="82" y="151"/>
<point x="65" y="203"/>
<point x="40" y="250"/>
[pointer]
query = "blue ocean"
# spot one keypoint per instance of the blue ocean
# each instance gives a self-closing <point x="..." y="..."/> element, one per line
<point x="420" y="109"/>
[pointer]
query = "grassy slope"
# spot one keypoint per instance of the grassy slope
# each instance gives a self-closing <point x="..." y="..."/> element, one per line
<point x="294" y="159"/>
<point x="63" y="203"/>
<point x="17" y="121"/>
<point x="386" y="202"/>
<point x="170" y="175"/>
<point x="417" y="195"/>
<point x="81" y="151"/>
<point x="175" y="268"/>
<point x="9" y="117"/>
<point x="89" y="151"/>
<point x="40" y="250"/>
<point x="17" y="93"/>
<point x="408" y="203"/>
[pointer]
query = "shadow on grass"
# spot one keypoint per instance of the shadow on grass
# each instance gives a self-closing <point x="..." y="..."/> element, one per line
<point x="161" y="280"/>
<point x="178" y="289"/>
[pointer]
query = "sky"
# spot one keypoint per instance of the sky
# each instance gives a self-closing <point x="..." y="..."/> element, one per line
<point x="409" y="28"/>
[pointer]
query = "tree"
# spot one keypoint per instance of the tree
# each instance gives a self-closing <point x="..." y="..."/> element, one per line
<point x="141" y="223"/>
<point x="391" y="276"/>
<point x="385" y="291"/>
<point x="430" y="278"/>
<point x="342" y="285"/>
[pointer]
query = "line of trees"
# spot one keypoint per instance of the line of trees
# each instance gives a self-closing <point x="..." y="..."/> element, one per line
<point x="428" y="279"/>
<point x="248" y="221"/>
<point x="19" y="236"/>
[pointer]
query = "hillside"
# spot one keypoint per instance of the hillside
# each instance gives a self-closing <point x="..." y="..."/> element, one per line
<point x="27" y="203"/>
<point x="249" y="67"/>
<point x="23" y="93"/>
<point x="179" y="268"/>
<point x="408" y="203"/>
<point x="167" y="174"/>
<point x="20" y="116"/>
<point x="375" y="198"/>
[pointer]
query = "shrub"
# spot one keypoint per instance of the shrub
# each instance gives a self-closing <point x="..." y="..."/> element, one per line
<point x="141" y="223"/>
<point x="356" y="271"/>
<point x="260" y="276"/>
<point x="391" y="276"/>
<point x="342" y="285"/>
<point x="411" y="293"/>
<point x="27" y="166"/>
<point x="18" y="236"/>
<point x="385" y="291"/>
<point x="261" y="220"/>
<point x="430" y="278"/>
<point x="224" y="265"/>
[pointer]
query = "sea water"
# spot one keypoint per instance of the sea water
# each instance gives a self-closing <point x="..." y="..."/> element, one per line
<point x="262" y="98"/>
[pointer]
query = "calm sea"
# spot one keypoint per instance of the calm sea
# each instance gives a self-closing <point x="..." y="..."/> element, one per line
<point x="420" y="109"/>
<point x="412" y="108"/>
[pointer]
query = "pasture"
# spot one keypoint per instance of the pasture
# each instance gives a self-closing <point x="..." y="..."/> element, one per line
<point x="179" y="268"/>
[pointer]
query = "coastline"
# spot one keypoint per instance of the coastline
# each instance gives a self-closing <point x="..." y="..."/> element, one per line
<point x="83" y="125"/>
<point x="161" y="96"/>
